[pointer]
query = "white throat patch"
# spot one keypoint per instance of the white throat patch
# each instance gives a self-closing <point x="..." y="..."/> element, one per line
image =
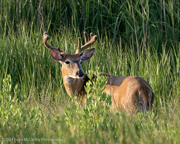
<point x="71" y="79"/>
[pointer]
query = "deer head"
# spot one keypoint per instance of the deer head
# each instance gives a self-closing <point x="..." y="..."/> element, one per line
<point x="71" y="63"/>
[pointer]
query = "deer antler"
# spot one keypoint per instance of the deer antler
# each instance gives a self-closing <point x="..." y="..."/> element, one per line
<point x="46" y="37"/>
<point x="87" y="43"/>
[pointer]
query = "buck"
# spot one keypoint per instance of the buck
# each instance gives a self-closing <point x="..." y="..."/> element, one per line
<point x="127" y="93"/>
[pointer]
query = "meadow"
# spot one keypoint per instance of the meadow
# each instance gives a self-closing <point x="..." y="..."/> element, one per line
<point x="134" y="38"/>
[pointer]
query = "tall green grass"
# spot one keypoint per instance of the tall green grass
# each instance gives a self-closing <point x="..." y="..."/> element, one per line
<point x="135" y="22"/>
<point x="33" y="101"/>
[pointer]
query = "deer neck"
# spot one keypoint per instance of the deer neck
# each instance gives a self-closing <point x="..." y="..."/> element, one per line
<point x="74" y="86"/>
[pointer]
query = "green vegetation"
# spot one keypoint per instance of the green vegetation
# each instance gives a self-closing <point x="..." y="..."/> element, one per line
<point x="134" y="38"/>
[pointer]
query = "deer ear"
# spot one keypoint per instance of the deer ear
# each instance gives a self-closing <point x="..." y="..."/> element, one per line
<point x="86" y="55"/>
<point x="56" y="55"/>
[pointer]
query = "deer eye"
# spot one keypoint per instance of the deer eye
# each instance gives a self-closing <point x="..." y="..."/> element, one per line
<point x="67" y="62"/>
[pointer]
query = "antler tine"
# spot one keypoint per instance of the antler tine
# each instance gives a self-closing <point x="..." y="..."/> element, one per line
<point x="79" y="45"/>
<point x="87" y="43"/>
<point x="46" y="37"/>
<point x="91" y="35"/>
<point x="85" y="37"/>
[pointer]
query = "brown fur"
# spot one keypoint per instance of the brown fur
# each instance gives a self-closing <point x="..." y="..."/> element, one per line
<point x="131" y="93"/>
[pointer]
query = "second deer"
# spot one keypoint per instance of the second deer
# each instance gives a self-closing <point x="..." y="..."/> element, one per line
<point x="127" y="93"/>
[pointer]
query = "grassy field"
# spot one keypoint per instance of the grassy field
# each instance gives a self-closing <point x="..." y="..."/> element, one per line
<point x="134" y="38"/>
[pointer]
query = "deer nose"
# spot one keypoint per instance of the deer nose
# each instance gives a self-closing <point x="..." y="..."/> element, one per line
<point x="80" y="73"/>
